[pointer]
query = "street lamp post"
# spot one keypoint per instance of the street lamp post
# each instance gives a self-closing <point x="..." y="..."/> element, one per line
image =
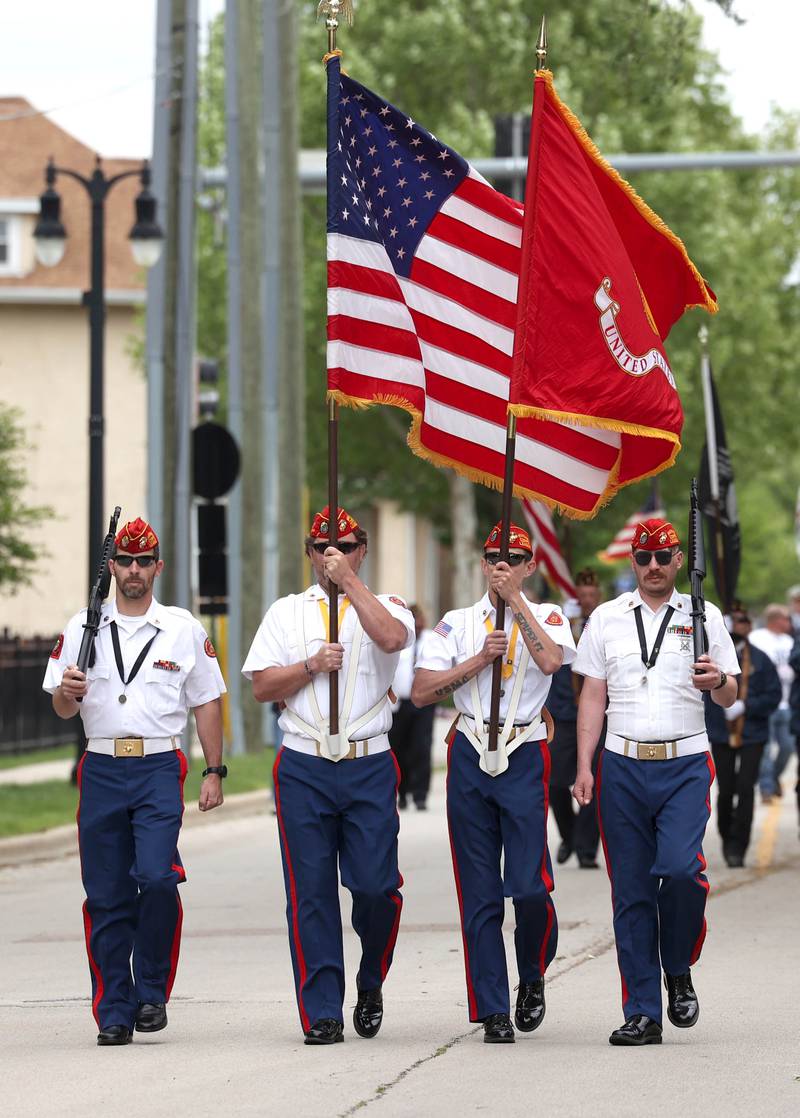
<point x="50" y="238"/>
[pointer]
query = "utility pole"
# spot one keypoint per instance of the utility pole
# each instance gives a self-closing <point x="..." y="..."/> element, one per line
<point x="251" y="241"/>
<point x="178" y="305"/>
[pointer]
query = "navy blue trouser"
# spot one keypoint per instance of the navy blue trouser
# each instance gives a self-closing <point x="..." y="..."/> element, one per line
<point x="343" y="811"/>
<point x="129" y="817"/>
<point x="653" y="817"/>
<point x="490" y="816"/>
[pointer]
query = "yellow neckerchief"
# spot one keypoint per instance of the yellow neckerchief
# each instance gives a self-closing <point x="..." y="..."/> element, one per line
<point x="326" y="614"/>
<point x="508" y="663"/>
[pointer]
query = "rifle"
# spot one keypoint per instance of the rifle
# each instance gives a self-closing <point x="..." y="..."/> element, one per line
<point x="697" y="572"/>
<point x="97" y="595"/>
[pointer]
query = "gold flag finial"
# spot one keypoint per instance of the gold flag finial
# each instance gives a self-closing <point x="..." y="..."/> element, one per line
<point x="541" y="46"/>
<point x="332" y="10"/>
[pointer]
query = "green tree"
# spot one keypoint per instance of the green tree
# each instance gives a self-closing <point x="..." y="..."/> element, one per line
<point x="17" y="554"/>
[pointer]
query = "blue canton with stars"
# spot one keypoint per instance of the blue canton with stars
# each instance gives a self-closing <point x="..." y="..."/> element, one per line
<point x="387" y="176"/>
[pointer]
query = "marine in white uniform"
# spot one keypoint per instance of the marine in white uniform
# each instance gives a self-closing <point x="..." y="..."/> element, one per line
<point x="335" y="793"/>
<point x="654" y="775"/>
<point x="150" y="665"/>
<point x="497" y="800"/>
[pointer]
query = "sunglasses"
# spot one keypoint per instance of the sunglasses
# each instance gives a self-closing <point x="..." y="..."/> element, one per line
<point x="662" y="557"/>
<point x="514" y="558"/>
<point x="345" y="548"/>
<point x="142" y="560"/>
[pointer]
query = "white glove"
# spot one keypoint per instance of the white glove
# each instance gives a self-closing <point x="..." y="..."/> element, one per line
<point x="734" y="710"/>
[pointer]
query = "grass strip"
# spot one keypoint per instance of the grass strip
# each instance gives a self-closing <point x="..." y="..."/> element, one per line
<point x="27" y="808"/>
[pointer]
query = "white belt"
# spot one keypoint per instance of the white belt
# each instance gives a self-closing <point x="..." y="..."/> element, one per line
<point x="364" y="748"/>
<point x="150" y="745"/>
<point x="662" y="750"/>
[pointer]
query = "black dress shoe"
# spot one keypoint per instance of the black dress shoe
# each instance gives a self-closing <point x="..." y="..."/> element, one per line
<point x="420" y="805"/>
<point x="637" y="1030"/>
<point x="564" y="853"/>
<point x="402" y="803"/>
<point x="683" y="1008"/>
<point x="497" y="1029"/>
<point x="587" y="863"/>
<point x="368" y="1014"/>
<point x="325" y="1031"/>
<point x="151" y="1017"/>
<point x="529" y="1013"/>
<point x="115" y="1034"/>
<point x="735" y="861"/>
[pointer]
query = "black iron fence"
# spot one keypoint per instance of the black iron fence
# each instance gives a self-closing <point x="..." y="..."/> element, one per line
<point x="27" y="719"/>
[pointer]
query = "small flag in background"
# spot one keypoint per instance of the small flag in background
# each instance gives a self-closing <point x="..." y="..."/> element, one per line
<point x="546" y="548"/>
<point x="620" y="546"/>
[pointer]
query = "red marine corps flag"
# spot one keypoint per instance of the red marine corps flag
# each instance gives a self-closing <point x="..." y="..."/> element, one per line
<point x="602" y="281"/>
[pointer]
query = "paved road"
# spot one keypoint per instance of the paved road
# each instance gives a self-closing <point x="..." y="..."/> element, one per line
<point x="233" y="1044"/>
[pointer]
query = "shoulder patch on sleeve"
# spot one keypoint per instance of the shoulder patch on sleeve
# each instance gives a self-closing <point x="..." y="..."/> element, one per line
<point x="56" y="653"/>
<point x="209" y="649"/>
<point x="443" y="629"/>
<point x="398" y="602"/>
<point x="554" y="618"/>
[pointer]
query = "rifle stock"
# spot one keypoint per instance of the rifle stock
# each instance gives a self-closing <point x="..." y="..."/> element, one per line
<point x="97" y="595"/>
<point x="697" y="572"/>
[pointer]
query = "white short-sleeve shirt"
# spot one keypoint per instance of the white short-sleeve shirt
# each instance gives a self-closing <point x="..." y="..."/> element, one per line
<point x="278" y="644"/>
<point x="180" y="672"/>
<point x="660" y="703"/>
<point x="460" y="635"/>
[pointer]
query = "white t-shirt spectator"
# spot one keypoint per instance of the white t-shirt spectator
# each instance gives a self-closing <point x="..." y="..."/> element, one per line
<point x="778" y="646"/>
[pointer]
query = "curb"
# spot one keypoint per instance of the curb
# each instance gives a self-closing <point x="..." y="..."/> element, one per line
<point x="61" y="842"/>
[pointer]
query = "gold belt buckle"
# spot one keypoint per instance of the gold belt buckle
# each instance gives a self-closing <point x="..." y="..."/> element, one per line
<point x="129" y="747"/>
<point x="352" y="753"/>
<point x="651" y="750"/>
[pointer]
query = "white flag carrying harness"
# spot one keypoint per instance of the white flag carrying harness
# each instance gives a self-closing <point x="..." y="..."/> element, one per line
<point x="474" y="729"/>
<point x="330" y="745"/>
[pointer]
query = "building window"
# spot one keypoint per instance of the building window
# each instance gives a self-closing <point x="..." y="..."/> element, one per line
<point x="5" y="247"/>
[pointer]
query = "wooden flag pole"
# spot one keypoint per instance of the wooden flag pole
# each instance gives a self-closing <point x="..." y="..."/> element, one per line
<point x="332" y="10"/>
<point x="508" y="497"/>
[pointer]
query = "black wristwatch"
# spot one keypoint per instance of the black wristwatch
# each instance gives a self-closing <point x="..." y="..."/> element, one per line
<point x="216" y="770"/>
<point x="723" y="679"/>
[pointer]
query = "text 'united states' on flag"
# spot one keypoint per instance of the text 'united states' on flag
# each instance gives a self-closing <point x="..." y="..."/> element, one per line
<point x="423" y="267"/>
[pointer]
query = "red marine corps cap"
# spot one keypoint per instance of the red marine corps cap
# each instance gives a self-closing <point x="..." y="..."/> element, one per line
<point x="321" y="528"/>
<point x="136" y="537"/>
<point x="517" y="537"/>
<point x="651" y="535"/>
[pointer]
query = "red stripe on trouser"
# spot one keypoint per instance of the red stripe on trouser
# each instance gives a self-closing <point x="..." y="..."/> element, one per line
<point x="473" y="1009"/>
<point x="175" y="950"/>
<point x="87" y="920"/>
<point x="546" y="878"/>
<point x="396" y="901"/>
<point x="608" y="865"/>
<point x="298" y="947"/>
<point x="698" y="947"/>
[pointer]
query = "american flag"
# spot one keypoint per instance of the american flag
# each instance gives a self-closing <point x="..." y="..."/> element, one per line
<point x="620" y="546"/>
<point x="423" y="262"/>
<point x="546" y="548"/>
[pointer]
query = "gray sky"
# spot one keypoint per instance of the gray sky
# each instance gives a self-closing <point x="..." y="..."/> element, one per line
<point x="92" y="63"/>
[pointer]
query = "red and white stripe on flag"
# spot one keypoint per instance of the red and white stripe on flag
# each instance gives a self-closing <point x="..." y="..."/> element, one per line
<point x="546" y="548"/>
<point x="620" y="546"/>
